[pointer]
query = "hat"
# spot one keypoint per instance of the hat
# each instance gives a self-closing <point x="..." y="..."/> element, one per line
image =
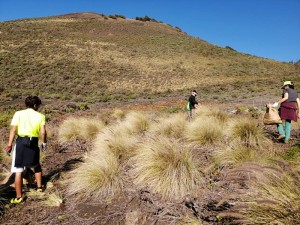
<point x="286" y="83"/>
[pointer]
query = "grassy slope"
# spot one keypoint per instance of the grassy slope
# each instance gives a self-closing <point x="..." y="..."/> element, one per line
<point x="89" y="57"/>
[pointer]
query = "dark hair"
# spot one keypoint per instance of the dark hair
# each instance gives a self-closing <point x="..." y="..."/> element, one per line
<point x="291" y="86"/>
<point x="195" y="91"/>
<point x="32" y="101"/>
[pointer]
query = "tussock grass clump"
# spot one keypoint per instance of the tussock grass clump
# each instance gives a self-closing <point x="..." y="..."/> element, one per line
<point x="54" y="199"/>
<point x="166" y="167"/>
<point x="222" y="117"/>
<point x="118" y="114"/>
<point x="205" y="131"/>
<point x="172" y="127"/>
<point x="98" y="177"/>
<point x="84" y="128"/>
<point x="202" y="111"/>
<point x="292" y="154"/>
<point x="136" y="123"/>
<point x="274" y="202"/>
<point x="237" y="154"/>
<point x="117" y="141"/>
<point x="250" y="134"/>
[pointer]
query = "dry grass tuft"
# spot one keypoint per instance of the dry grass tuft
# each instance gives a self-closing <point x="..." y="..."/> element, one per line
<point x="83" y="128"/>
<point x="205" y="131"/>
<point x="222" y="117"/>
<point x="136" y="123"/>
<point x="54" y="199"/>
<point x="117" y="141"/>
<point x="237" y="154"/>
<point x="249" y="134"/>
<point x="97" y="178"/>
<point x="274" y="202"/>
<point x="172" y="127"/>
<point x="166" y="167"/>
<point x="118" y="114"/>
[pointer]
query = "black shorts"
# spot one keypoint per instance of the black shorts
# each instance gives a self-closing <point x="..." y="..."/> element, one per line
<point x="27" y="152"/>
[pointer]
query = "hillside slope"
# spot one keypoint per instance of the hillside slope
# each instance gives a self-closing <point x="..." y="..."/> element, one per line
<point x="90" y="57"/>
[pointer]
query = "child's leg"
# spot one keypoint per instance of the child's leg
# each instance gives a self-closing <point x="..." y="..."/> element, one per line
<point x="38" y="175"/>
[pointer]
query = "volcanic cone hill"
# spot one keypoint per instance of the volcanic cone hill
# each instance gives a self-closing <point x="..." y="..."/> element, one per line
<point x="91" y="57"/>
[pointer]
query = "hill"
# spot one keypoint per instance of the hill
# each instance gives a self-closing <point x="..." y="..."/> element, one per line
<point x="88" y="57"/>
<point x="141" y="161"/>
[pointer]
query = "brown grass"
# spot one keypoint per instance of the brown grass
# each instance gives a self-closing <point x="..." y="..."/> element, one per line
<point x="96" y="179"/>
<point x="171" y="126"/>
<point x="274" y="202"/>
<point x="166" y="167"/>
<point x="205" y="131"/>
<point x="82" y="128"/>
<point x="105" y="59"/>
<point x="117" y="141"/>
<point x="249" y="133"/>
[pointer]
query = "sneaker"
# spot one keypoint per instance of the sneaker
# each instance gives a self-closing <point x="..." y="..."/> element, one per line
<point x="280" y="137"/>
<point x="16" y="200"/>
<point x="39" y="189"/>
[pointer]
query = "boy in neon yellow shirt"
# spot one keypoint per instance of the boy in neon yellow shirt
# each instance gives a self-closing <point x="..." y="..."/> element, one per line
<point x="29" y="125"/>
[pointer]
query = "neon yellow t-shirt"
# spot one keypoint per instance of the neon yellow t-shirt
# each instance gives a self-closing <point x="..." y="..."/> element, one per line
<point x="28" y="122"/>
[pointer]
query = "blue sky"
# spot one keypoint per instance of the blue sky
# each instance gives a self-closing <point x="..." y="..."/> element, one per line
<point x="265" y="28"/>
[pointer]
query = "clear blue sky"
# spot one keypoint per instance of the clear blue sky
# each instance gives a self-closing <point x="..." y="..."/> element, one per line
<point x="265" y="28"/>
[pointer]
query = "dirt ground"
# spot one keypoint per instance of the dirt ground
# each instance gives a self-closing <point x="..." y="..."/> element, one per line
<point x="136" y="207"/>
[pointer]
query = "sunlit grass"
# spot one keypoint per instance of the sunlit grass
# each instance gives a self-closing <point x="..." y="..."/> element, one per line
<point x="238" y="154"/>
<point x="119" y="114"/>
<point x="172" y="126"/>
<point x="53" y="199"/>
<point x="84" y="128"/>
<point x="205" y="131"/>
<point x="136" y="123"/>
<point x="97" y="178"/>
<point x="166" y="167"/>
<point x="117" y="141"/>
<point x="274" y="202"/>
<point x="249" y="133"/>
